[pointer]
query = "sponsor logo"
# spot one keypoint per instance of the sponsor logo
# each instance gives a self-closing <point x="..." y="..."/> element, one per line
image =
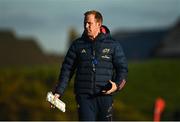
<point x="83" y="51"/>
<point x="105" y="56"/>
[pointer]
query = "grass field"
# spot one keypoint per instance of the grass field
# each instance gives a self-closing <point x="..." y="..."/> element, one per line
<point x="149" y="80"/>
<point x="23" y="92"/>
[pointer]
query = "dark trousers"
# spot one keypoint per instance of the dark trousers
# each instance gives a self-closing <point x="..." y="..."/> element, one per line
<point x="94" y="107"/>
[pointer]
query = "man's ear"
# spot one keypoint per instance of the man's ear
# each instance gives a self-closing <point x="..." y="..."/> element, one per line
<point x="99" y="24"/>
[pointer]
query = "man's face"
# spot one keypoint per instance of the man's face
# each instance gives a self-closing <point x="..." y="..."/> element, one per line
<point x="91" y="26"/>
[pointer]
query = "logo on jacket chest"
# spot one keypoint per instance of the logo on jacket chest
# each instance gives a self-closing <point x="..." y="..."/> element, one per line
<point x="83" y="51"/>
<point x="105" y="50"/>
<point x="105" y="53"/>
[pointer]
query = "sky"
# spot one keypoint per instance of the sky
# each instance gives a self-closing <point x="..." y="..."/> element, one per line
<point x="49" y="21"/>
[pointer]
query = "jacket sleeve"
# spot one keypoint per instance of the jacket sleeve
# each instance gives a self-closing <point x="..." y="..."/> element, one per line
<point x="67" y="69"/>
<point x="120" y="65"/>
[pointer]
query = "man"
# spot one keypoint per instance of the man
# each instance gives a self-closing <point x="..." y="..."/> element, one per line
<point x="101" y="69"/>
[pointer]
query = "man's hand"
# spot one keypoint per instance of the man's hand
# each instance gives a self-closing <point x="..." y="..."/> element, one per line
<point x="56" y="96"/>
<point x="113" y="88"/>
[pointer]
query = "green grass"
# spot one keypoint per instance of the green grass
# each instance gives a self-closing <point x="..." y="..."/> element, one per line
<point x="149" y="80"/>
<point x="23" y="92"/>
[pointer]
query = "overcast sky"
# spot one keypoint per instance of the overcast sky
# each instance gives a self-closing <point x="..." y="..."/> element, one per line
<point x="49" y="20"/>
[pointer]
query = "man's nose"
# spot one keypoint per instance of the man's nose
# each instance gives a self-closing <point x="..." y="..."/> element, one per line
<point x="86" y="25"/>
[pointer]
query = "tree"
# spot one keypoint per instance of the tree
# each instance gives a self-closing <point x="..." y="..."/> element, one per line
<point x="72" y="35"/>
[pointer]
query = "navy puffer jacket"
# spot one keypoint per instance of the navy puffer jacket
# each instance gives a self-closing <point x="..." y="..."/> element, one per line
<point x="94" y="62"/>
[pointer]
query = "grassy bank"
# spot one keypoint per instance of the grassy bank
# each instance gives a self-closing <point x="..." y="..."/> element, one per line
<point x="23" y="92"/>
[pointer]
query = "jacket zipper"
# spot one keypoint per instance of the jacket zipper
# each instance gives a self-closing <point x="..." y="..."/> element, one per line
<point x="94" y="67"/>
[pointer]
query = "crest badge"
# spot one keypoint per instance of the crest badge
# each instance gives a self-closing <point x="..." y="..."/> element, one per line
<point x="106" y="50"/>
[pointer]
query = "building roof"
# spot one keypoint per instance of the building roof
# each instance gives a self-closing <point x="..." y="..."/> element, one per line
<point x="170" y="46"/>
